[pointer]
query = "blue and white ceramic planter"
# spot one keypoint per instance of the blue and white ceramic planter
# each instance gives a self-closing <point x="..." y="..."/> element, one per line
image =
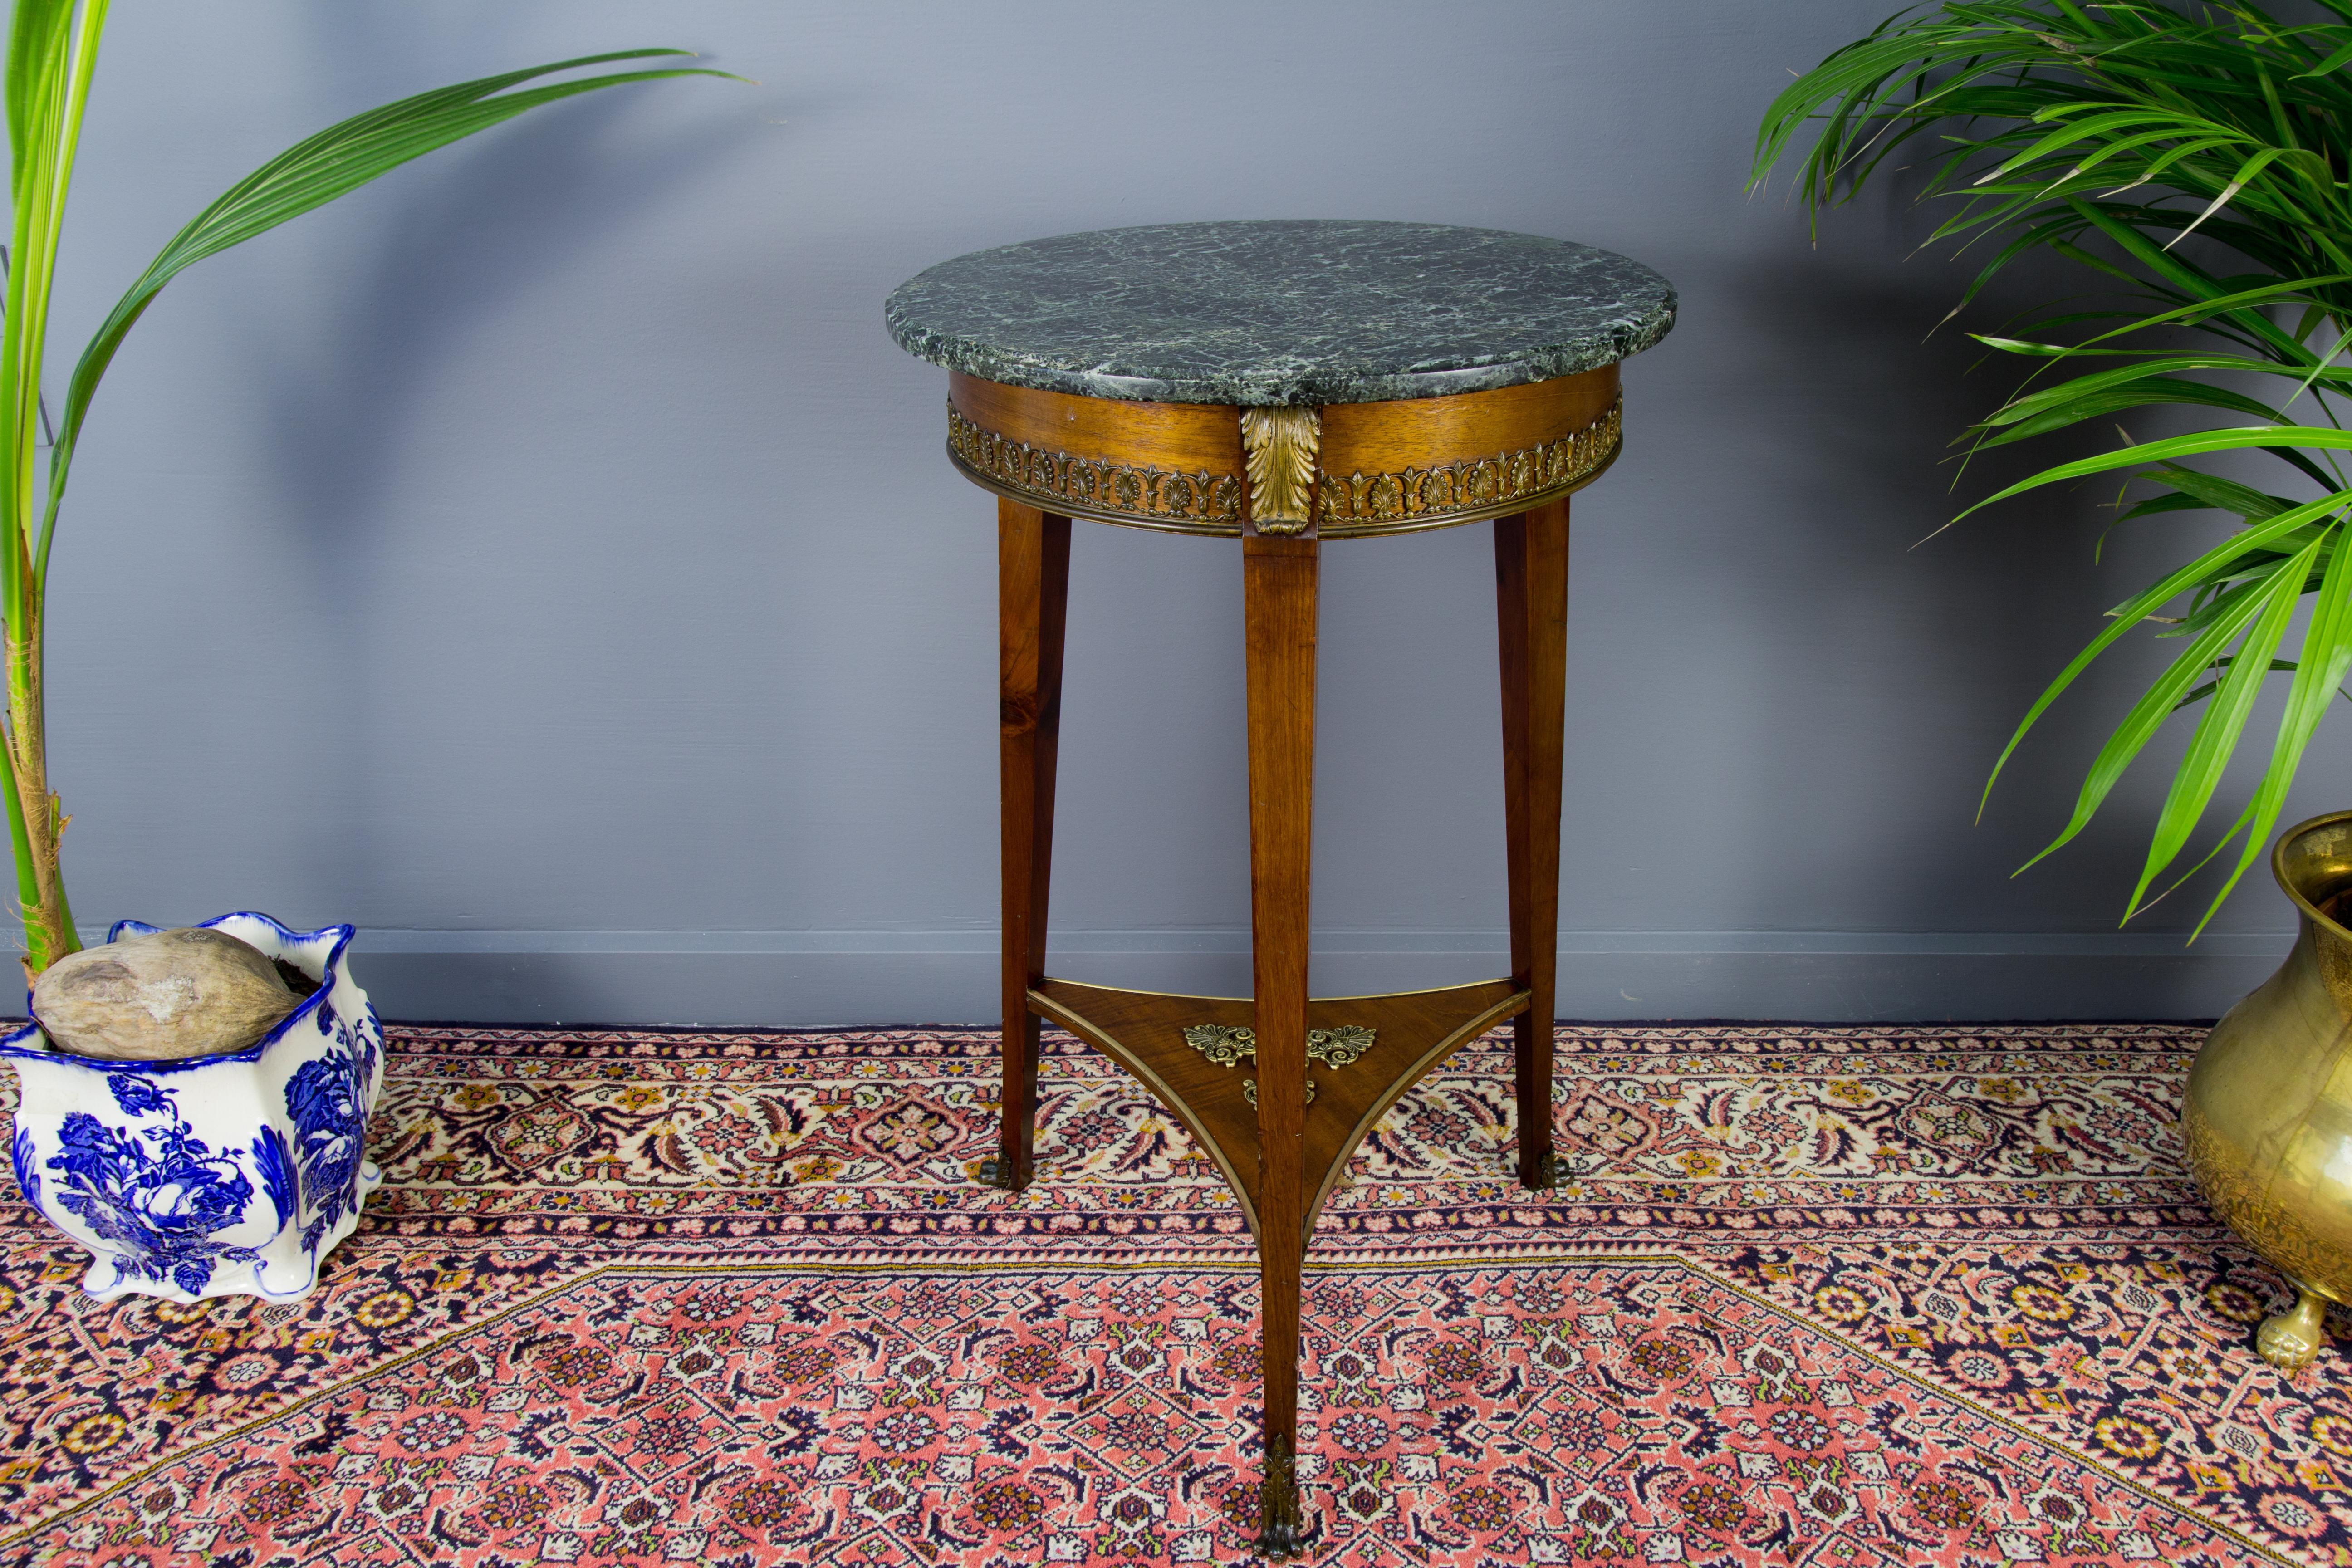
<point x="224" y="1175"/>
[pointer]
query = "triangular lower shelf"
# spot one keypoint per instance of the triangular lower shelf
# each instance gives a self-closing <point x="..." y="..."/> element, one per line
<point x="1144" y="1031"/>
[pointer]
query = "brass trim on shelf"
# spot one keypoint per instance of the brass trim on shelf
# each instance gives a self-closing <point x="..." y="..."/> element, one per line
<point x="1468" y="489"/>
<point x="1175" y="1104"/>
<point x="1509" y="1006"/>
<point x="1234" y="1045"/>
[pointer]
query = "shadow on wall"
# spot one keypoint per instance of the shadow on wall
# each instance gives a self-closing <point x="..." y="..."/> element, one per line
<point x="1964" y="627"/>
<point x="495" y="221"/>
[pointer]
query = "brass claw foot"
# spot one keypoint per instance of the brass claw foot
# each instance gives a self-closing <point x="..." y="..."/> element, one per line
<point x="2289" y="1339"/>
<point x="1281" y="1537"/>
<point x="1543" y="1175"/>
<point x="1278" y="1541"/>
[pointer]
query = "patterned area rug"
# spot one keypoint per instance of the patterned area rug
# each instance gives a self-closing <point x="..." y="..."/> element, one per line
<point x="1827" y="1297"/>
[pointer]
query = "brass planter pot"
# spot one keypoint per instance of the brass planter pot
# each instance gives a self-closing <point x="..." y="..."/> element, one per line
<point x="2268" y="1117"/>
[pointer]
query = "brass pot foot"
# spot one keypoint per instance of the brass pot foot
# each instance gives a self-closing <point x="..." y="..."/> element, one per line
<point x="997" y="1174"/>
<point x="2289" y="1339"/>
<point x="1543" y="1175"/>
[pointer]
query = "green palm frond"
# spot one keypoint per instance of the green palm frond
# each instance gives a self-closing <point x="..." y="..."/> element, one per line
<point x="309" y="174"/>
<point x="2108" y="134"/>
<point x="52" y="57"/>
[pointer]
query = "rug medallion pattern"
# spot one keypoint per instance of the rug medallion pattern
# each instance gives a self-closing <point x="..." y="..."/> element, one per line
<point x="1839" y="1297"/>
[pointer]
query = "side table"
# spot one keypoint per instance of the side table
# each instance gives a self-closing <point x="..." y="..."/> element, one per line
<point x="1285" y="383"/>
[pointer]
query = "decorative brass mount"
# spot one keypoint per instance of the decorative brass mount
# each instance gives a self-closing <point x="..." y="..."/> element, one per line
<point x="1227" y="1044"/>
<point x="1278" y="451"/>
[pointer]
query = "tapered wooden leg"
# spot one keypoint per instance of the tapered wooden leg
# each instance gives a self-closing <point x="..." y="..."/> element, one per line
<point x="1033" y="581"/>
<point x="1279" y="599"/>
<point x="1531" y="605"/>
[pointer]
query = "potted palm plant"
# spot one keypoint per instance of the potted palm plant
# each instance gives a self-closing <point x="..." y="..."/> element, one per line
<point x="231" y="1172"/>
<point x="2193" y="158"/>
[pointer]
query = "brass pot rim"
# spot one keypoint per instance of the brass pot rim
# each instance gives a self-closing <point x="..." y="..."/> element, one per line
<point x="2309" y="910"/>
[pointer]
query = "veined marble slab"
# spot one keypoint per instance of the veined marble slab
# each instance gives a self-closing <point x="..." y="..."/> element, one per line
<point x="1279" y="313"/>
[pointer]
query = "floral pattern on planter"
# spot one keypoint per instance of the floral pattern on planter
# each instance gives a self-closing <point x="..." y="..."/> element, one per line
<point x="220" y="1175"/>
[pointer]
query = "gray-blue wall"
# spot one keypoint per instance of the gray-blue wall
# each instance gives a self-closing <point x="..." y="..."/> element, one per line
<point x="543" y="560"/>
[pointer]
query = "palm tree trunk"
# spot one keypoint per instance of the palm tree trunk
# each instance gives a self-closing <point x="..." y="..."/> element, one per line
<point x="48" y="923"/>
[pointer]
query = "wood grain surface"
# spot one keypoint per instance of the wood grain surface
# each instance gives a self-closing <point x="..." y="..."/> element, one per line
<point x="1184" y="437"/>
<point x="1429" y="432"/>
<point x="1144" y="1031"/>
<point x="1531" y="617"/>
<point x="1033" y="576"/>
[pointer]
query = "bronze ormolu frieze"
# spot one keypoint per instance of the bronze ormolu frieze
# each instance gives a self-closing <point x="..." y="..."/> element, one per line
<point x="1281" y="470"/>
<point x="1090" y="488"/>
<point x="1471" y="488"/>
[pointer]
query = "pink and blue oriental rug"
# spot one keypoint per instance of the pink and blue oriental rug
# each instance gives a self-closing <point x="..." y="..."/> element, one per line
<point x="1820" y="1296"/>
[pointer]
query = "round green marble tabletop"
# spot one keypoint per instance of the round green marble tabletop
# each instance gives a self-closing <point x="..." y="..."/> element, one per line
<point x="1277" y="313"/>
